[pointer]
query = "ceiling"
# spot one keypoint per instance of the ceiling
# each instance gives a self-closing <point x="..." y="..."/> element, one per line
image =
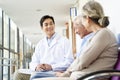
<point x="26" y="14"/>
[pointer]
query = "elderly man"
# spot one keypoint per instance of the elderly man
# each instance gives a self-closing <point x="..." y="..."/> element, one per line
<point x="82" y="32"/>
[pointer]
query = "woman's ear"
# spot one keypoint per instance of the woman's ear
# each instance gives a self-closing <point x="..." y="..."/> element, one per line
<point x="88" y="19"/>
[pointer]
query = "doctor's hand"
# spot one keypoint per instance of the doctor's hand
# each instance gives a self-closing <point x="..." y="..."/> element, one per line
<point x="41" y="67"/>
<point x="48" y="67"/>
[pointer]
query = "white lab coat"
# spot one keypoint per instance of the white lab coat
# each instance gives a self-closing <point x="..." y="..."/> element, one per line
<point x="58" y="54"/>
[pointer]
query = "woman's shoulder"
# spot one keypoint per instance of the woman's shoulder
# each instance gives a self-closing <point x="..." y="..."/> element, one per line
<point x="106" y="31"/>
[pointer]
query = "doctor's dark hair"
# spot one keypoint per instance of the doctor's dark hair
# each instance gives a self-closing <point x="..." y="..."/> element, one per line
<point x="44" y="18"/>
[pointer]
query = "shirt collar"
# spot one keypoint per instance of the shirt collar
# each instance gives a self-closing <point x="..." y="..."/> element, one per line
<point x="91" y="34"/>
<point x="51" y="37"/>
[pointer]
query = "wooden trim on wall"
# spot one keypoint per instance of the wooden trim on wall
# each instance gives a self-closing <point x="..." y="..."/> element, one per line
<point x="73" y="39"/>
<point x="67" y="29"/>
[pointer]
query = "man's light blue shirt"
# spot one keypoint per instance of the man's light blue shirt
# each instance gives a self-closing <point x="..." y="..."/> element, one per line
<point x="84" y="42"/>
<point x="50" y="40"/>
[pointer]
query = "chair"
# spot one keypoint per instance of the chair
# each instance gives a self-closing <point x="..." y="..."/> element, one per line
<point x="118" y="39"/>
<point x="117" y="66"/>
<point x="101" y="75"/>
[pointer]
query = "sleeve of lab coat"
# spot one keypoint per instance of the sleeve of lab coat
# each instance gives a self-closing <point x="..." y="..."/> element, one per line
<point x="35" y="58"/>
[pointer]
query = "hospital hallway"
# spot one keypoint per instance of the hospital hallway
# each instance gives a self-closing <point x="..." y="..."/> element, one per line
<point x="20" y="30"/>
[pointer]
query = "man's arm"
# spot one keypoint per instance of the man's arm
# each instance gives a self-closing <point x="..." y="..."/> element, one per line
<point x="35" y="59"/>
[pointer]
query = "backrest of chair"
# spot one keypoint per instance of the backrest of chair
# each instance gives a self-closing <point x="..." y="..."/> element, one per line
<point x="118" y="39"/>
<point x="117" y="66"/>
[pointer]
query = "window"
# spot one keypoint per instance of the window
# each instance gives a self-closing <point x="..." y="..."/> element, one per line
<point x="21" y="49"/>
<point x="6" y="64"/>
<point x="6" y="31"/>
<point x="0" y="27"/>
<point x="13" y="36"/>
<point x="12" y="69"/>
<point x="0" y="64"/>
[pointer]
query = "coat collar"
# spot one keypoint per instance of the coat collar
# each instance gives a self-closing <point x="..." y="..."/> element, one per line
<point x="53" y="41"/>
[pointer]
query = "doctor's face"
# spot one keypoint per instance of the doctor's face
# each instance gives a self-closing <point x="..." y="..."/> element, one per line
<point x="48" y="27"/>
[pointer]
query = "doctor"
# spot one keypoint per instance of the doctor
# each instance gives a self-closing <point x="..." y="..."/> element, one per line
<point x="52" y="54"/>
